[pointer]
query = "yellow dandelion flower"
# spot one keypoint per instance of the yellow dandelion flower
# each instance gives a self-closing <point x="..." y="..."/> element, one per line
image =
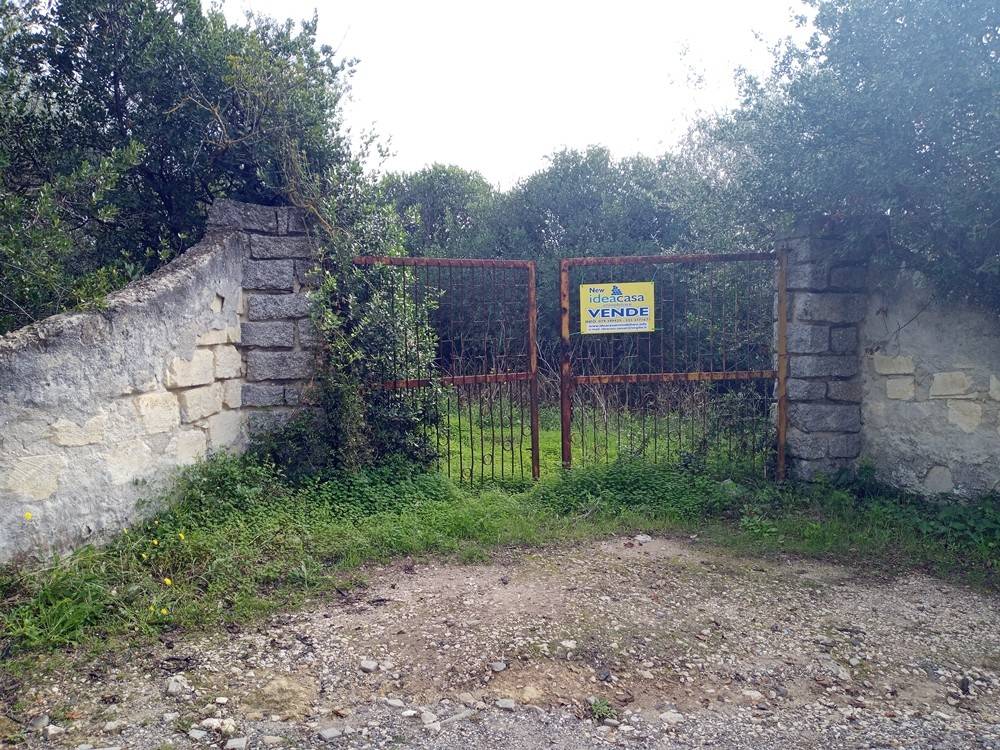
<point x="27" y="515"/>
<point x="164" y="611"/>
<point x="156" y="542"/>
<point x="145" y="556"/>
<point x="167" y="582"/>
<point x="180" y="535"/>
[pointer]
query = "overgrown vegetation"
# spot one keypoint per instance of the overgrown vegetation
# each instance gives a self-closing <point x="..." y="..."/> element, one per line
<point x="238" y="539"/>
<point x="121" y="121"/>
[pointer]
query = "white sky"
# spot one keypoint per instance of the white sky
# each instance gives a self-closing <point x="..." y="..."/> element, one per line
<point x="498" y="86"/>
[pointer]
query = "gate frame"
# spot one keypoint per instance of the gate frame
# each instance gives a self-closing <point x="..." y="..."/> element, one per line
<point x="531" y="301"/>
<point x="568" y="381"/>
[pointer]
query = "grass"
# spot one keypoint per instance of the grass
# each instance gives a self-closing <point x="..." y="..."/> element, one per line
<point x="464" y="442"/>
<point x="237" y="540"/>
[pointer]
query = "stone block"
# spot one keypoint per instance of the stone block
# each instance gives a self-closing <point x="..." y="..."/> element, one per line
<point x="275" y="334"/>
<point x="803" y="445"/>
<point x="806" y="390"/>
<point x="900" y="389"/>
<point x="228" y="362"/>
<point x="819" y="366"/>
<point x="939" y="480"/>
<point x="809" y="469"/>
<point x="184" y="373"/>
<point x="210" y="338"/>
<point x="994" y="388"/>
<point x="825" y="417"/>
<point x="158" y="412"/>
<point x="224" y="429"/>
<point x="950" y="384"/>
<point x="849" y="391"/>
<point x="129" y="461"/>
<point x="232" y="394"/>
<point x="277" y="306"/>
<point x="293" y="395"/>
<point x="844" y="340"/>
<point x="36" y="476"/>
<point x="198" y="403"/>
<point x="844" y="446"/>
<point x="65" y="432"/>
<point x="966" y="415"/>
<point x="309" y="337"/>
<point x="265" y="247"/>
<point x="261" y="394"/>
<point x="234" y="334"/>
<point x="886" y="365"/>
<point x="266" y="420"/>
<point x="811" y="307"/>
<point x="234" y="215"/>
<point x="808" y="276"/>
<point x="217" y="303"/>
<point x="848" y="278"/>
<point x="263" y="365"/>
<point x="190" y="446"/>
<point x="273" y="275"/>
<point x="808" y="339"/>
<point x="307" y="273"/>
<point x="291" y="220"/>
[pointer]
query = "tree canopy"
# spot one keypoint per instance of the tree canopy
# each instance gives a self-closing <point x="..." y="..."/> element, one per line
<point x="121" y="121"/>
<point x="887" y="119"/>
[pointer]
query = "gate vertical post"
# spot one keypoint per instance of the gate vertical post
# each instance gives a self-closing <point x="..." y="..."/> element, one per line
<point x="533" y="369"/>
<point x="781" y="284"/>
<point x="565" y="367"/>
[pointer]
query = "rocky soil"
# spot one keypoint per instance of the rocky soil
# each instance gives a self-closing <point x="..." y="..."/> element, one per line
<point x="640" y="643"/>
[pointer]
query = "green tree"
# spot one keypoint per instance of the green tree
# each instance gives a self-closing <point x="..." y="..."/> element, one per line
<point x="887" y="120"/>
<point x="442" y="208"/>
<point x="120" y="121"/>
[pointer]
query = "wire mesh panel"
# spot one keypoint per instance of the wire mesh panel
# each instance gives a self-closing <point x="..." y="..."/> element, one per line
<point x="693" y="382"/>
<point x="462" y="363"/>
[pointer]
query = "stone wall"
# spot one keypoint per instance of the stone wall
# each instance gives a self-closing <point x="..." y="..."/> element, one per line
<point x="931" y="385"/>
<point x="880" y="372"/>
<point x="278" y="339"/>
<point x="826" y="304"/>
<point x="98" y="409"/>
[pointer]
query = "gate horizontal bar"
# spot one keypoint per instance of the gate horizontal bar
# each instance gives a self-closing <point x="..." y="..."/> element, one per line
<point x="494" y="377"/>
<point x="637" y="260"/>
<point x="392" y="260"/>
<point x="675" y="377"/>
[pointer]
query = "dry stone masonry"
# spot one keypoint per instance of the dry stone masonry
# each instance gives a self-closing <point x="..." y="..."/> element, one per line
<point x="99" y="409"/>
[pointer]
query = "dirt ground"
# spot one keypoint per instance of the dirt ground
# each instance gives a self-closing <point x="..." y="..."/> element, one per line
<point x="688" y="645"/>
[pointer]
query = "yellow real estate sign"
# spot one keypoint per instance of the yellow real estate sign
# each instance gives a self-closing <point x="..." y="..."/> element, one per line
<point x="625" y="307"/>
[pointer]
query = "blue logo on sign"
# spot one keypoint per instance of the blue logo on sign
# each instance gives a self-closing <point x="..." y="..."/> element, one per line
<point x="615" y="291"/>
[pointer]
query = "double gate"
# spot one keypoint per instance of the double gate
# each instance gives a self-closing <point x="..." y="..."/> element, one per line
<point x="702" y="384"/>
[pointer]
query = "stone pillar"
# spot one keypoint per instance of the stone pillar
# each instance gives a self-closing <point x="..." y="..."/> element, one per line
<point x="826" y="304"/>
<point x="278" y="341"/>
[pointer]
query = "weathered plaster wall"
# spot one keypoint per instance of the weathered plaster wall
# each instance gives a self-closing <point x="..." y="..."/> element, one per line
<point x="931" y="390"/>
<point x="97" y="410"/>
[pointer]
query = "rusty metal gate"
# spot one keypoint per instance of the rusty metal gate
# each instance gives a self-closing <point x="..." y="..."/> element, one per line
<point x="704" y="387"/>
<point x="464" y="359"/>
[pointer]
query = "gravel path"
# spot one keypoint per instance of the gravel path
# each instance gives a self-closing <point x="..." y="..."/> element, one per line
<point x="690" y="646"/>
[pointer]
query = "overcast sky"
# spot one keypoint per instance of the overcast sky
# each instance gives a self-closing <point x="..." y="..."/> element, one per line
<point x="497" y="86"/>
